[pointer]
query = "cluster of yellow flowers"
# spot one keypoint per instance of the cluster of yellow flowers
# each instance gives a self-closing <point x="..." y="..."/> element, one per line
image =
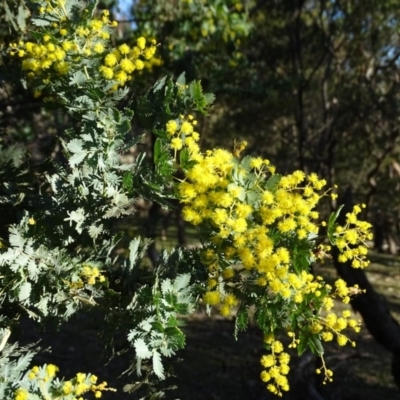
<point x="352" y="239"/>
<point x="325" y="327"/>
<point x="121" y="62"/>
<point x="77" y="386"/>
<point x="89" y="275"/>
<point x="331" y="325"/>
<point x="215" y="193"/>
<point x="48" y="372"/>
<point x="83" y="383"/>
<point x="65" y="45"/>
<point x="251" y="215"/>
<point x="45" y="374"/>
<point x="182" y="133"/>
<point x="212" y="194"/>
<point x="276" y="367"/>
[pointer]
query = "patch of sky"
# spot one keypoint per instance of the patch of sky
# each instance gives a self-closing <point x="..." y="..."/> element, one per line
<point x="123" y="11"/>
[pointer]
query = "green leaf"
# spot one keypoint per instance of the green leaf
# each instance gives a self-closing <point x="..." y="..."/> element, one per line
<point x="166" y="286"/>
<point x="9" y="17"/>
<point x="273" y="182"/>
<point x="315" y="345"/>
<point x="75" y="146"/>
<point x="332" y="224"/>
<point x="78" y="78"/>
<point x="171" y="298"/>
<point x="184" y="158"/>
<point x="245" y="163"/>
<point x="24" y="291"/>
<point x="23" y="14"/>
<point x="210" y="98"/>
<point x="159" y="84"/>
<point x="127" y="182"/>
<point x="334" y="216"/>
<point x="90" y="116"/>
<point x="157" y="326"/>
<point x="123" y="127"/>
<point x="95" y="94"/>
<point x="76" y="159"/>
<point x="181" y="281"/>
<point x="142" y="350"/>
<point x="252" y="196"/>
<point x="133" y="251"/>
<point x="157" y="365"/>
<point x="95" y="230"/>
<point x="175" y="336"/>
<point x="181" y="79"/>
<point x="173" y="331"/>
<point x="302" y="345"/>
<point x="41" y="21"/>
<point x="116" y="115"/>
<point x="157" y="150"/>
<point x="241" y="322"/>
<point x="184" y="308"/>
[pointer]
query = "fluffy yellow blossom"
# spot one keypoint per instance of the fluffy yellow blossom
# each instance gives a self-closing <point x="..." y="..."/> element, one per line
<point x="21" y="394"/>
<point x="176" y="143"/>
<point x="256" y="163"/>
<point x="98" y="48"/>
<point x="124" y="49"/>
<point x="141" y="43"/>
<point x="107" y="72"/>
<point x="110" y="60"/>
<point x="171" y="127"/>
<point x="187" y="128"/>
<point x="212" y="298"/>
<point x="51" y="370"/>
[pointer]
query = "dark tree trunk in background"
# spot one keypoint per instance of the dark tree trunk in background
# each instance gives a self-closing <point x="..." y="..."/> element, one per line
<point x="372" y="306"/>
<point x="151" y="231"/>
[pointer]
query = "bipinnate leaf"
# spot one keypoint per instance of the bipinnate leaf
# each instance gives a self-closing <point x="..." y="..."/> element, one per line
<point x="159" y="84"/>
<point x="24" y="291"/>
<point x="23" y="14"/>
<point x="40" y="22"/>
<point x="157" y="150"/>
<point x="142" y="350"/>
<point x="181" y="281"/>
<point x="181" y="79"/>
<point x="210" y="98"/>
<point x="133" y="251"/>
<point x="76" y="159"/>
<point x="157" y="365"/>
<point x="273" y="182"/>
<point x="75" y="146"/>
<point x="166" y="286"/>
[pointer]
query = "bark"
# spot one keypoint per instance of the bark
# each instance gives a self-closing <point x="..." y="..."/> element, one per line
<point x="372" y="306"/>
